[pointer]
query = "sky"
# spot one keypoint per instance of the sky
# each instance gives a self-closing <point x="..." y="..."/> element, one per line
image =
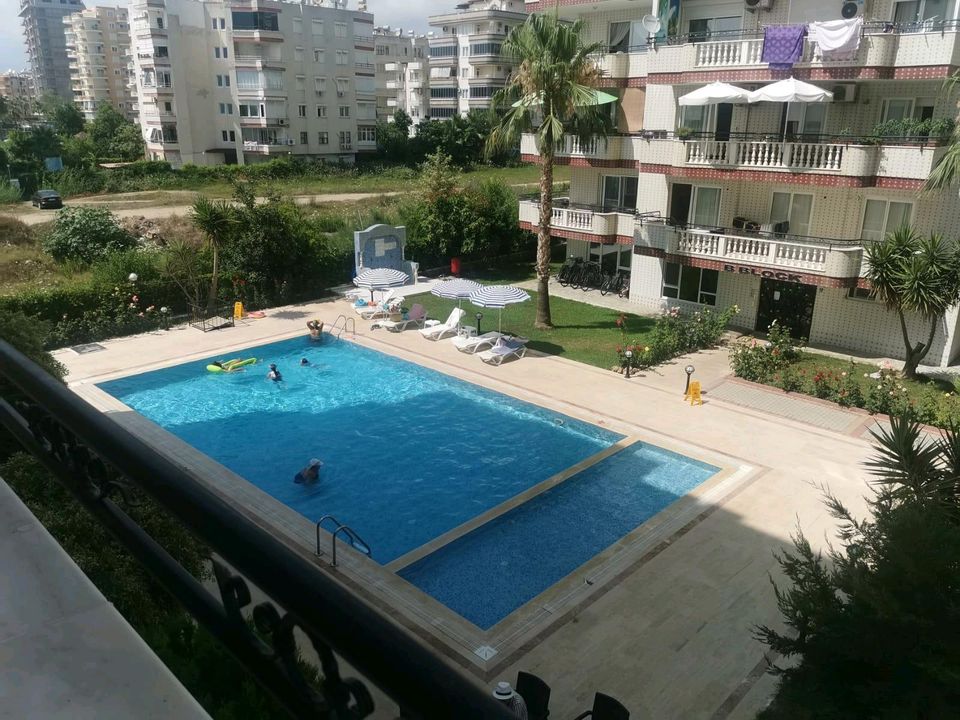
<point x="408" y="14"/>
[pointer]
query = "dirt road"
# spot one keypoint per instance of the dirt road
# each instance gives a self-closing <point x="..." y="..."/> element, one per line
<point x="128" y="205"/>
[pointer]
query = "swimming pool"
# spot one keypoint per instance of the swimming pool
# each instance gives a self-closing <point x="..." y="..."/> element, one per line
<point x="410" y="454"/>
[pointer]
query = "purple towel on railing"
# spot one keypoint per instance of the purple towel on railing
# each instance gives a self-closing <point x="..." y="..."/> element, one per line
<point x="783" y="45"/>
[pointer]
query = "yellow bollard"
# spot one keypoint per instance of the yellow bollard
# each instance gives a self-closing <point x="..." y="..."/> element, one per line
<point x="238" y="311"/>
<point x="694" y="393"/>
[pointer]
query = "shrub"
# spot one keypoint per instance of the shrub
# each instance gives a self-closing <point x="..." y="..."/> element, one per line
<point x="86" y="234"/>
<point x="9" y="194"/>
<point x="760" y="362"/>
<point x="15" y="232"/>
<point x="675" y="333"/>
<point x="116" y="267"/>
<point x="889" y="396"/>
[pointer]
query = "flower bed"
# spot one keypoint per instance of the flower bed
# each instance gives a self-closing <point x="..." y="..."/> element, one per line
<point x="781" y="362"/>
<point x="675" y="333"/>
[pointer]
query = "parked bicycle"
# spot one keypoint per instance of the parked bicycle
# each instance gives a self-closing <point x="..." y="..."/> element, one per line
<point x="612" y="283"/>
<point x="589" y="276"/>
<point x="570" y="266"/>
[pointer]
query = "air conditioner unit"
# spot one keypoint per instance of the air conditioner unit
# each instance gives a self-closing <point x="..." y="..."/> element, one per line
<point x="754" y="5"/>
<point x="291" y="142"/>
<point x="282" y="121"/>
<point x="339" y="93"/>
<point x="844" y="93"/>
<point x="852" y="8"/>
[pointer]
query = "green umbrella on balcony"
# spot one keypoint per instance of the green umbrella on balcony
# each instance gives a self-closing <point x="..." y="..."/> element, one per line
<point x="599" y="98"/>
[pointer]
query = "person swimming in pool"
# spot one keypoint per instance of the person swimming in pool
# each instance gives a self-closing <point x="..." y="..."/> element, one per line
<point x="310" y="474"/>
<point x="274" y="374"/>
<point x="304" y="362"/>
<point x="316" y="329"/>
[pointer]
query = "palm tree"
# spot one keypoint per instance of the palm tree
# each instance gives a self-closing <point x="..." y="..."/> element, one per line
<point x="947" y="170"/>
<point x="551" y="92"/>
<point x="215" y="219"/>
<point x="915" y="275"/>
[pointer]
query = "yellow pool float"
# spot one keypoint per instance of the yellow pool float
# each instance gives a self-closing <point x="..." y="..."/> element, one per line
<point x="231" y="365"/>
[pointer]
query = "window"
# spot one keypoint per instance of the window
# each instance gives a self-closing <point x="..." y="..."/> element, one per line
<point x="882" y="217"/>
<point x="382" y="50"/>
<point x="438" y="113"/>
<point x="323" y="138"/>
<point x="344" y="111"/>
<point x="342" y="86"/>
<point x="702" y="29"/>
<point x="321" y="111"/>
<point x="443" y="92"/>
<point x="168" y="107"/>
<point x="696" y="285"/>
<point x="216" y="52"/>
<point x="233" y="136"/>
<point x="317" y="27"/>
<point x="918" y="11"/>
<point x="859" y="293"/>
<point x="619" y="193"/>
<point x="366" y="134"/>
<point x="298" y="25"/>
<point x="320" y="84"/>
<point x="298" y="54"/>
<point x="225" y="55"/>
<point x="301" y="111"/>
<point x="223" y="133"/>
<point x="343" y="57"/>
<point x="794" y="209"/>
<point x="303" y="138"/>
<point x="223" y="81"/>
<point x="443" y="51"/>
<point x="705" y="206"/>
<point x="345" y="140"/>
<point x="255" y="20"/>
<point x="806" y="118"/>
<point x="251" y="110"/>
<point x="319" y="56"/>
<point x="485" y="49"/>
<point x="340" y="30"/>
<point x="214" y="21"/>
<point x="223" y="23"/>
<point x="698" y="118"/>
<point x="248" y="79"/>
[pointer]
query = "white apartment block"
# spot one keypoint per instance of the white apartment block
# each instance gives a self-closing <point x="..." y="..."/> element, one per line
<point x="762" y="205"/>
<point x="98" y="49"/>
<point x="43" y="33"/>
<point x="15" y="85"/>
<point x="239" y="82"/>
<point x="465" y="65"/>
<point x="402" y="74"/>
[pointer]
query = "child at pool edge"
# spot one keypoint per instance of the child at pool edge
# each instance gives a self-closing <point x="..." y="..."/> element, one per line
<point x="309" y="474"/>
<point x="316" y="329"/>
<point x="274" y="374"/>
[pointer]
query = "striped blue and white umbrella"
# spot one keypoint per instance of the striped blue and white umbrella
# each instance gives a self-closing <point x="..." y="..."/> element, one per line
<point x="380" y="278"/>
<point x="498" y="296"/>
<point x="456" y="289"/>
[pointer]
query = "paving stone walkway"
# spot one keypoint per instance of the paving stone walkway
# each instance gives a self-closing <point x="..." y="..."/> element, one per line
<point x="791" y="407"/>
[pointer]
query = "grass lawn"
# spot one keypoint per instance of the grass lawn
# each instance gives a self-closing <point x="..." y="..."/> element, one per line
<point x="582" y="332"/>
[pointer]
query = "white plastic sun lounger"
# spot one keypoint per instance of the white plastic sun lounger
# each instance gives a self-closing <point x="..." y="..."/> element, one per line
<point x="474" y="343"/>
<point x="502" y="350"/>
<point x="442" y="330"/>
<point x="381" y="310"/>
<point x="416" y="317"/>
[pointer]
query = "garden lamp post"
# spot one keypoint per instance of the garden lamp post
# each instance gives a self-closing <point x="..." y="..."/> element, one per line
<point x="689" y="369"/>
<point x="628" y="354"/>
<point x="479" y="318"/>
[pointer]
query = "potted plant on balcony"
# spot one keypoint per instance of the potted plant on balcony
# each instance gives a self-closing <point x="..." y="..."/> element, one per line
<point x="683" y="133"/>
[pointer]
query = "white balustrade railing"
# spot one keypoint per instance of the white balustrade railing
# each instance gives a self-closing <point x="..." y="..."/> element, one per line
<point x="572" y="218"/>
<point x="728" y="53"/>
<point x="766" y="154"/>
<point x="777" y="253"/>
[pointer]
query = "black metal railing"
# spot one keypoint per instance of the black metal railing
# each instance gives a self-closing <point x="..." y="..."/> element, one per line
<point x="96" y="459"/>
<point x="748" y="229"/>
<point x="873" y="27"/>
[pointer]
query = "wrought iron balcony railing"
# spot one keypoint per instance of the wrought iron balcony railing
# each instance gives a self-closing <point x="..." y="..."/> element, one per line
<point x="96" y="458"/>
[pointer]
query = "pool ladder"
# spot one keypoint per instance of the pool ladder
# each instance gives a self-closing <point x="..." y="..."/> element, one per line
<point x="349" y="324"/>
<point x="357" y="542"/>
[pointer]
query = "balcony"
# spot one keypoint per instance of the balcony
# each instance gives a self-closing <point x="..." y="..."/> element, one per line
<point x="884" y="50"/>
<point x="364" y="66"/>
<point x="258" y="35"/>
<point x="264" y="121"/>
<point x="812" y="256"/>
<point x="601" y="225"/>
<point x="365" y="41"/>
<point x="774" y="155"/>
<point x="632" y="64"/>
<point x="258" y="61"/>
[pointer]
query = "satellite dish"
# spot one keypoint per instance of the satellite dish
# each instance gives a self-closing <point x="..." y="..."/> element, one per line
<point x="651" y="23"/>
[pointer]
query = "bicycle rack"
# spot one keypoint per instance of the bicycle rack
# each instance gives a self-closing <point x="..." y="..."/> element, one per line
<point x="356" y="542"/>
<point x="349" y="324"/>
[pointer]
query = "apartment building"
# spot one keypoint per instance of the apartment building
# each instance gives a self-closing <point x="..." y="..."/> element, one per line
<point x="241" y="82"/>
<point x="403" y="81"/>
<point x="98" y="50"/>
<point x="766" y="205"/>
<point x="15" y="85"/>
<point x="45" y="38"/>
<point x="465" y="65"/>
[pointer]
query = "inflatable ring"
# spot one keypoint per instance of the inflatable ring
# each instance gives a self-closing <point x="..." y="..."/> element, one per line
<point x="256" y="314"/>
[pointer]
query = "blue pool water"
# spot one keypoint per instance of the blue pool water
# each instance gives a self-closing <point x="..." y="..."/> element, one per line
<point x="408" y="453"/>
<point x="490" y="572"/>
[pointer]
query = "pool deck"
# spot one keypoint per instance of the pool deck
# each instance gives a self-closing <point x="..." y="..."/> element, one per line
<point x="667" y="629"/>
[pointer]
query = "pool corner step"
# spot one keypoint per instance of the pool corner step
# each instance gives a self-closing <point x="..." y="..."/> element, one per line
<point x="507" y="505"/>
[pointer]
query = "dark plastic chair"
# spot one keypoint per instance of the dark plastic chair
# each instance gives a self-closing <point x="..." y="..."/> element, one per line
<point x="535" y="693"/>
<point x="605" y="708"/>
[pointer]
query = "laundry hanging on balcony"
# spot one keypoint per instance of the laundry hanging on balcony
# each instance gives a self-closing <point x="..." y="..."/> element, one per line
<point x="783" y="45"/>
<point x="838" y="39"/>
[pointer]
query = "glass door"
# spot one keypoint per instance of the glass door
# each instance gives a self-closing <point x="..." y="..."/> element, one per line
<point x="793" y="209"/>
<point x="705" y="207"/>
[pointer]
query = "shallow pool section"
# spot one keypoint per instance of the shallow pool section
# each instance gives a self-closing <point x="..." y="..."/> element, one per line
<point x="488" y="573"/>
<point x="408" y="452"/>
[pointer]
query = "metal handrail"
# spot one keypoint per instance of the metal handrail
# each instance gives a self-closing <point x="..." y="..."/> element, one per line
<point x="352" y="535"/>
<point x="78" y="443"/>
<point x="349" y="323"/>
<point x="874" y="27"/>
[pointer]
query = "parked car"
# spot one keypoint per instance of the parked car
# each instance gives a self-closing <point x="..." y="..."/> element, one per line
<point x="47" y="199"/>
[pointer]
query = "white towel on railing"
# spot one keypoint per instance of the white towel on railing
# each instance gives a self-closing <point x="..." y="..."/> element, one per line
<point x="838" y="39"/>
